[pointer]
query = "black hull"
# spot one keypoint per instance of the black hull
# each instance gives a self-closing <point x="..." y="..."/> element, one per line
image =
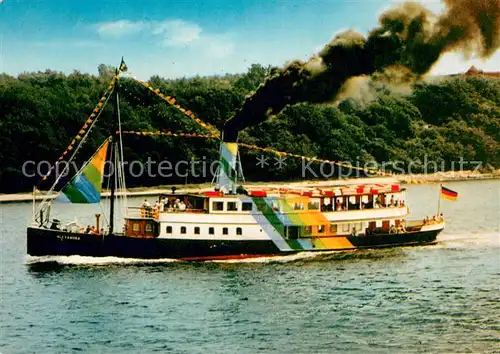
<point x="395" y="240"/>
<point x="49" y="242"/>
<point x="46" y="242"/>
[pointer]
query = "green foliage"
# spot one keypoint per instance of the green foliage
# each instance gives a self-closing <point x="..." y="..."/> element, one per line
<point x="440" y="121"/>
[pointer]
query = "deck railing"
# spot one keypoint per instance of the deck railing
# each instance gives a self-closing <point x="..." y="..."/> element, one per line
<point x="139" y="212"/>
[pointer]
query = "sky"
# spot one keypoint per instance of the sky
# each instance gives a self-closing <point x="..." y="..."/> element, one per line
<point x="183" y="38"/>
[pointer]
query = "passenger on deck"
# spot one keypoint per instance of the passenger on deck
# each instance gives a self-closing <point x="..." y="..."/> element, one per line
<point x="393" y="229"/>
<point x="157" y="208"/>
<point x="145" y="209"/>
<point x="54" y="225"/>
<point x="402" y="226"/>
<point x="354" y="232"/>
<point x="392" y="202"/>
<point x="339" y="205"/>
<point x="88" y="229"/>
<point x="182" y="206"/>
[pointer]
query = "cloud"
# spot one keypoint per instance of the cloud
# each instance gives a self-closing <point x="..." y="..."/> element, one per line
<point x="68" y="43"/>
<point x="180" y="33"/>
<point x="455" y="63"/>
<point x="436" y="6"/>
<point x="119" y="28"/>
<point x="177" y="33"/>
<point x="172" y="33"/>
<point x="217" y="46"/>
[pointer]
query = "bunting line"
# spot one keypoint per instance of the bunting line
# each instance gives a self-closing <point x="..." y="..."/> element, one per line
<point x="268" y="150"/>
<point x="314" y="159"/>
<point x="171" y="100"/>
<point x="168" y="133"/>
<point x="91" y="120"/>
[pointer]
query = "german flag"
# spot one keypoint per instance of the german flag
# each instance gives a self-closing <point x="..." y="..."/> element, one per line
<point x="448" y="194"/>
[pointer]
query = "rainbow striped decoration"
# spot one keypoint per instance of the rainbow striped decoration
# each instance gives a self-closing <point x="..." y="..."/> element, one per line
<point x="227" y="178"/>
<point x="274" y="223"/>
<point x="85" y="187"/>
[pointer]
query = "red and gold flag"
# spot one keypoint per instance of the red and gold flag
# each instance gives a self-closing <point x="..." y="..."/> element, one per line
<point x="448" y="194"/>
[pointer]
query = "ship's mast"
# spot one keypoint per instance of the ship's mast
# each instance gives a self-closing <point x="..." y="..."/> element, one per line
<point x="113" y="171"/>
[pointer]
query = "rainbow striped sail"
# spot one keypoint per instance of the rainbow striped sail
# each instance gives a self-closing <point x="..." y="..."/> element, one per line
<point x="85" y="187"/>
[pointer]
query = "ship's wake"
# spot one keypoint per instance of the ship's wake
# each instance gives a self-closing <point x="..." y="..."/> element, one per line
<point x="47" y="262"/>
<point x="93" y="261"/>
<point x="104" y="261"/>
<point x="445" y="241"/>
<point x="468" y="240"/>
<point x="280" y="259"/>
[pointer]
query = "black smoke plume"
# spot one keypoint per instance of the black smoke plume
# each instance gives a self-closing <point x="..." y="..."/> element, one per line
<point x="410" y="36"/>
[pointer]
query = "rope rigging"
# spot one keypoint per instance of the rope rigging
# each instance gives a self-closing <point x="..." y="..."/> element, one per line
<point x="212" y="132"/>
<point x="82" y="135"/>
<point x="171" y="100"/>
<point x="255" y="147"/>
<point x="215" y="134"/>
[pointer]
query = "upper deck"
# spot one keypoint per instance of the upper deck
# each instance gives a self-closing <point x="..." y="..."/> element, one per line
<point x="350" y="202"/>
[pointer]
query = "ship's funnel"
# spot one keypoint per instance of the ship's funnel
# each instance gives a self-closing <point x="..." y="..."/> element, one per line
<point x="227" y="177"/>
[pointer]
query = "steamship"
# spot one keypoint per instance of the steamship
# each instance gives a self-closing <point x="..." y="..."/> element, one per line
<point x="228" y="222"/>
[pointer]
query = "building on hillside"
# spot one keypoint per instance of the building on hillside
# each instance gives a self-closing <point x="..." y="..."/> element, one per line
<point x="473" y="71"/>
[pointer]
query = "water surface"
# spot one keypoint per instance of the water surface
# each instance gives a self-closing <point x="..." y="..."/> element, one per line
<point x="436" y="299"/>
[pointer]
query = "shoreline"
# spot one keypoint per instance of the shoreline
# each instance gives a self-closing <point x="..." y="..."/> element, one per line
<point x="191" y="188"/>
<point x="441" y="177"/>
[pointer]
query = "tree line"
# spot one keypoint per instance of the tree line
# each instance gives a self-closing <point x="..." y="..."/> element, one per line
<point x="444" y="120"/>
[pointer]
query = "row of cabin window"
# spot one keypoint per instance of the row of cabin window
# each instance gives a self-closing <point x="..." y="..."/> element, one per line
<point x="211" y="230"/>
<point x="248" y="206"/>
<point x="334" y="228"/>
<point x="231" y="206"/>
<point x="310" y="206"/>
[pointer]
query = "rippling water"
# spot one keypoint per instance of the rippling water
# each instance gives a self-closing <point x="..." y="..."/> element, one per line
<point x="439" y="299"/>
